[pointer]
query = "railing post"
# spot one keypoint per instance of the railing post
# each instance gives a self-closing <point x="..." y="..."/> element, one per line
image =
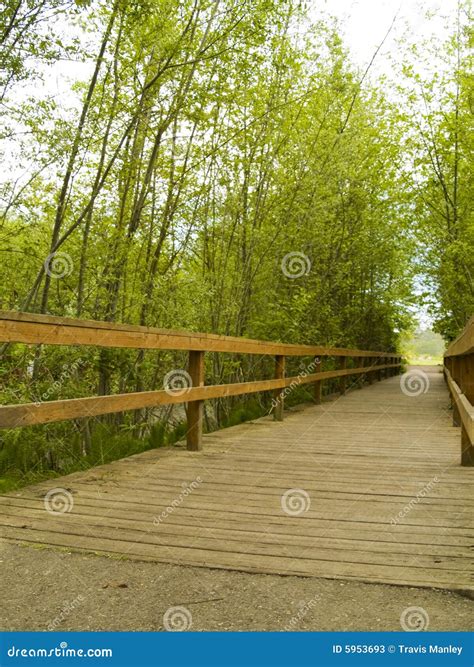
<point x="369" y="375"/>
<point x="342" y="380"/>
<point x="195" y="408"/>
<point x="455" y="375"/>
<point x="318" y="386"/>
<point x="467" y="374"/>
<point x="360" y="363"/>
<point x="279" y="397"/>
<point x="467" y="450"/>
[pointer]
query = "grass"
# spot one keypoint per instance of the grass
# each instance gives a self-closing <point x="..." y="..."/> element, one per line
<point x="425" y="361"/>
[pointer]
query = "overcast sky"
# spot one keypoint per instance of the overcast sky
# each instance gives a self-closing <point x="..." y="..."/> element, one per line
<point x="365" y="23"/>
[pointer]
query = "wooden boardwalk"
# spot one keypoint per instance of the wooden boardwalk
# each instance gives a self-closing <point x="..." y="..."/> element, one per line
<point x="366" y="487"/>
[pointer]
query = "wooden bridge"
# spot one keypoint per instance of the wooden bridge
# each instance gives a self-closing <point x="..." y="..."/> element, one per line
<point x="372" y="485"/>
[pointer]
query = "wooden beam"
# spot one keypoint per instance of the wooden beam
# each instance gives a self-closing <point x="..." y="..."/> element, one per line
<point x="27" y="414"/>
<point x="195" y="408"/>
<point x="318" y="386"/>
<point x="279" y="398"/>
<point x="464" y="343"/>
<point x="30" y="328"/>
<point x="463" y="416"/>
<point x="370" y="374"/>
<point x="342" y="382"/>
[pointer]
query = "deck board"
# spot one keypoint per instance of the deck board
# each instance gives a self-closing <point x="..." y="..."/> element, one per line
<point x="361" y="459"/>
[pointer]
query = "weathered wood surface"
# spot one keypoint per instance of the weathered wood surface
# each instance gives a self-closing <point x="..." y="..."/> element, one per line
<point x="32" y="328"/>
<point x="27" y="414"/>
<point x="361" y="459"/>
<point x="464" y="343"/>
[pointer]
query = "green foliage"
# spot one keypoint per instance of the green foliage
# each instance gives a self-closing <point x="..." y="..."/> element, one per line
<point x="223" y="168"/>
<point x="423" y="345"/>
<point x="437" y="113"/>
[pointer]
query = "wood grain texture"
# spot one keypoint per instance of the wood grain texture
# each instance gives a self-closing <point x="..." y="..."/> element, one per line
<point x="27" y="414"/>
<point x="464" y="343"/>
<point x="463" y="406"/>
<point x="36" y="329"/>
<point x="385" y="499"/>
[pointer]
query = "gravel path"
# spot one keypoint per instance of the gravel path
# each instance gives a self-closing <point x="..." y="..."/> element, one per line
<point x="45" y="589"/>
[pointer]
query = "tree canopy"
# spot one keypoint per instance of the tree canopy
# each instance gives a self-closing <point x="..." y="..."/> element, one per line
<point x="225" y="167"/>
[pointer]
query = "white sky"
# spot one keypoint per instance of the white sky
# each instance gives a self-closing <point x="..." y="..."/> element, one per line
<point x="365" y="23"/>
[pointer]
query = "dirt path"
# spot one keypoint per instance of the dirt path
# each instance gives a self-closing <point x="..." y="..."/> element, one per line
<point x="47" y="589"/>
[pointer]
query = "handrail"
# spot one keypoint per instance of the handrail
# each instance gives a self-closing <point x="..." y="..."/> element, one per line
<point x="47" y="329"/>
<point x="37" y="329"/>
<point x="459" y="375"/>
<point x="464" y="343"/>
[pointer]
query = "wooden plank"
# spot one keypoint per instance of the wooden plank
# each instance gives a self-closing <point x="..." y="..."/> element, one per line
<point x="318" y="385"/>
<point x="278" y="398"/>
<point x="33" y="328"/>
<point x="463" y="415"/>
<point x="194" y="409"/>
<point x="27" y="414"/>
<point x="381" y="537"/>
<point x="464" y="343"/>
<point x="310" y="549"/>
<point x="342" y="381"/>
<point x="248" y="561"/>
<point x="362" y="459"/>
<point x="465" y="409"/>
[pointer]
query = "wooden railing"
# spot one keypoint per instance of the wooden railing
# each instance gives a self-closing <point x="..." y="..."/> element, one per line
<point x="48" y="330"/>
<point x="459" y="374"/>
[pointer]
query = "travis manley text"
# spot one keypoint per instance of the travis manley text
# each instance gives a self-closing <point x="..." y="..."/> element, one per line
<point x="432" y="648"/>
